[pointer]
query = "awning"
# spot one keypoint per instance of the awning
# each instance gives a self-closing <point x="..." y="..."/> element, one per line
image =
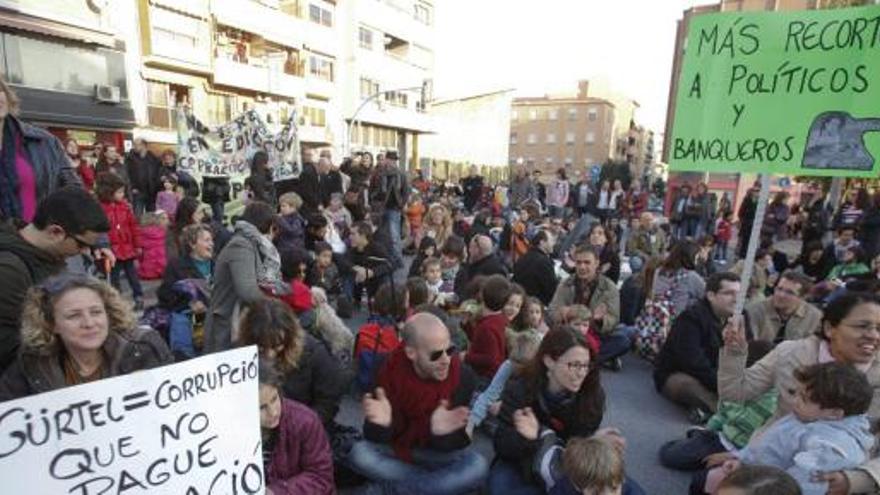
<point x="193" y="8"/>
<point x="46" y="27"/>
<point x="169" y="77"/>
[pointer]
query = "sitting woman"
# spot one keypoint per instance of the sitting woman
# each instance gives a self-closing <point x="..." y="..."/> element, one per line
<point x="296" y="453"/>
<point x="311" y="375"/>
<point x="77" y="329"/>
<point x="185" y="289"/>
<point x="555" y="397"/>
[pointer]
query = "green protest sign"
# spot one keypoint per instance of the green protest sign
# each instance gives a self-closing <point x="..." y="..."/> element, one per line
<point x="795" y="93"/>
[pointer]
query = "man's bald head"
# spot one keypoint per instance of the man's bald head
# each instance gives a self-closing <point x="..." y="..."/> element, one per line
<point x="480" y="247"/>
<point x="420" y="325"/>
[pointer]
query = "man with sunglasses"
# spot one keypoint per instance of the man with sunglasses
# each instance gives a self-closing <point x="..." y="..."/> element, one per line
<point x="68" y="222"/>
<point x="414" y="426"/>
<point x="785" y="315"/>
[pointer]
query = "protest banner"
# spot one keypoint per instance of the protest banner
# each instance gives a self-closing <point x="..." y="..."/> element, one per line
<point x="793" y="93"/>
<point x="191" y="428"/>
<point x="226" y="151"/>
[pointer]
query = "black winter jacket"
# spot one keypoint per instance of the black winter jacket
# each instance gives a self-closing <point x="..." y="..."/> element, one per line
<point x="177" y="269"/>
<point x="536" y="272"/>
<point x="490" y="265"/>
<point x="319" y="381"/>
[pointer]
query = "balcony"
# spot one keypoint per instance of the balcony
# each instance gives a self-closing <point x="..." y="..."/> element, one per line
<point x="394" y="20"/>
<point x="271" y="24"/>
<point x="284" y="84"/>
<point x="314" y="134"/>
<point x="320" y="88"/>
<point x="260" y="79"/>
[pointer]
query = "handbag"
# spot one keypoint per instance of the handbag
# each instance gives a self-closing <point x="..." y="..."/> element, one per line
<point x="655" y="321"/>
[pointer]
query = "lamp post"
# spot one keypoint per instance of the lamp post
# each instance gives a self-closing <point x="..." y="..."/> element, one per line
<point x="353" y="120"/>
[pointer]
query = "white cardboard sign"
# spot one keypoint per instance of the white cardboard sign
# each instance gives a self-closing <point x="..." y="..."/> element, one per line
<point x="191" y="428"/>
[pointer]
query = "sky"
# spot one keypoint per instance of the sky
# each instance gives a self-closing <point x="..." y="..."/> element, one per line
<point x="545" y="46"/>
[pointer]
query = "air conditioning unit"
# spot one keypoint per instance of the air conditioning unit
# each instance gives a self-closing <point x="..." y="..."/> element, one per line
<point x="107" y="94"/>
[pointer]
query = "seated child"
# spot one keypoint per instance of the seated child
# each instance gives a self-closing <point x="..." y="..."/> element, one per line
<point x="427" y="249"/>
<point x="299" y="298"/>
<point x="452" y="254"/>
<point x="759" y="480"/>
<point x="339" y="215"/>
<point x="153" y="230"/>
<point x="488" y="344"/>
<point x="292" y="227"/>
<point x="827" y="430"/>
<point x="529" y="320"/>
<point x="432" y="272"/>
<point x="592" y="466"/>
<point x="324" y="273"/>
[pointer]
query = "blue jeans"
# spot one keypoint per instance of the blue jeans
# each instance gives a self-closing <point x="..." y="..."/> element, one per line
<point x="180" y="333"/>
<point x="131" y="274"/>
<point x="391" y="219"/>
<point x="491" y="394"/>
<point x="688" y="453"/>
<point x="617" y="343"/>
<point x="431" y="472"/>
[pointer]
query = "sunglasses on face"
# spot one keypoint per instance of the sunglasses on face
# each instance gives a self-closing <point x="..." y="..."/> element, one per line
<point x="450" y="351"/>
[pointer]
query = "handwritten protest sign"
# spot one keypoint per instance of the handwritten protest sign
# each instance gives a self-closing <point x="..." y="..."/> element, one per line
<point x="191" y="428"/>
<point x="226" y="151"/>
<point x="793" y="93"/>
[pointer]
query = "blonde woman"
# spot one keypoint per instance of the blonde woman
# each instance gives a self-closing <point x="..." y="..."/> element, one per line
<point x="77" y="329"/>
<point x="438" y="223"/>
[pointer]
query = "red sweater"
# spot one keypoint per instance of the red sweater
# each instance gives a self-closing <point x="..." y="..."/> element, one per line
<point x="489" y="345"/>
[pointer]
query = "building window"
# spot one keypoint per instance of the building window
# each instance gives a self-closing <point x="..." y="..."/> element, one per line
<point x="552" y="114"/>
<point x="572" y="114"/>
<point x="591" y="137"/>
<point x="569" y="138"/>
<point x="320" y="15"/>
<point x="569" y="161"/>
<point x="321" y="67"/>
<point x="315" y="116"/>
<point x="369" y="87"/>
<point x="512" y="138"/>
<point x="162" y="101"/>
<point x="592" y="114"/>
<point x="532" y="139"/>
<point x="365" y="38"/>
<point x="548" y="160"/>
<point x="397" y="98"/>
<point x="551" y="138"/>
<point x="220" y="108"/>
<point x="533" y="115"/>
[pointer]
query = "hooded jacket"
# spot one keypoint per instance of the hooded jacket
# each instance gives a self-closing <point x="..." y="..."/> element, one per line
<point x="35" y="372"/>
<point x="22" y="265"/>
<point x="124" y="232"/>
<point x="301" y="461"/>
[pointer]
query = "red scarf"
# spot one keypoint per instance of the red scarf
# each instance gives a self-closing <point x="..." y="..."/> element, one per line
<point x="413" y="400"/>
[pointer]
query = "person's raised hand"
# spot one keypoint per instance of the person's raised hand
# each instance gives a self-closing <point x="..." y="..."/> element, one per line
<point x="377" y="408"/>
<point x="526" y="423"/>
<point x="445" y="420"/>
<point x="735" y="334"/>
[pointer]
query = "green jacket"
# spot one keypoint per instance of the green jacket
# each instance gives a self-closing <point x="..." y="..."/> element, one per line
<point x="738" y="421"/>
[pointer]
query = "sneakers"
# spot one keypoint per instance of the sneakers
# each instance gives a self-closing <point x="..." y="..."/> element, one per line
<point x="698" y="416"/>
<point x="615" y="364"/>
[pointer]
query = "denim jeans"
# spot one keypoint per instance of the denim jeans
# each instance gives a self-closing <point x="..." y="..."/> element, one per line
<point x="391" y="220"/>
<point x="131" y="274"/>
<point x="688" y="453"/>
<point x="617" y="343"/>
<point x="491" y="394"/>
<point x="431" y="472"/>
<point x="180" y="333"/>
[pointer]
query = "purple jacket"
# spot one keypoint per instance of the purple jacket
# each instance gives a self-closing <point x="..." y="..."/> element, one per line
<point x="302" y="463"/>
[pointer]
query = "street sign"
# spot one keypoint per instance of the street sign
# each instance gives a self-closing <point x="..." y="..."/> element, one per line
<point x="795" y="93"/>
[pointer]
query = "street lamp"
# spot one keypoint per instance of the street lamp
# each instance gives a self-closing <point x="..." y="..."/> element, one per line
<point x="423" y="89"/>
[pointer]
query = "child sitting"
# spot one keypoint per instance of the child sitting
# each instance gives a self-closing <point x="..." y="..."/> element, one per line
<point x="339" y="215"/>
<point x="827" y="430"/>
<point x="529" y="320"/>
<point x="488" y="346"/>
<point x="427" y="249"/>
<point x="432" y="272"/>
<point x="292" y="227"/>
<point x="299" y="298"/>
<point x="592" y="466"/>
<point x="153" y="229"/>
<point x="415" y="212"/>
<point x="452" y="255"/>
<point x="852" y="265"/>
<point x="759" y="480"/>
<point x="514" y="302"/>
<point x="324" y="272"/>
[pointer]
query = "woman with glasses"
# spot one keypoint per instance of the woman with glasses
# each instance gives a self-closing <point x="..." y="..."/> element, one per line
<point x="77" y="329"/>
<point x="557" y="396"/>
<point x="850" y="334"/>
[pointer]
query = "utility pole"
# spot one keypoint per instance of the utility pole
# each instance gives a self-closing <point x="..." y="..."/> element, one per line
<point x="423" y="90"/>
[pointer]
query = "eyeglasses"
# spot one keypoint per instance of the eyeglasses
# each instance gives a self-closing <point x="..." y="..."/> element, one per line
<point x="863" y="327"/>
<point x="450" y="351"/>
<point x="575" y="366"/>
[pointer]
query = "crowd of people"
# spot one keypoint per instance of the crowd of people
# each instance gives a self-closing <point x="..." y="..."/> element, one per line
<point x="492" y="312"/>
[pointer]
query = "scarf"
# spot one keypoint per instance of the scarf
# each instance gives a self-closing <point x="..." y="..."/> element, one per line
<point x="269" y="270"/>
<point x="10" y="203"/>
<point x="413" y="400"/>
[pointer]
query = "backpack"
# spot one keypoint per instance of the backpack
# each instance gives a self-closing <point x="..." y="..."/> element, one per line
<point x="375" y="340"/>
<point x="655" y="321"/>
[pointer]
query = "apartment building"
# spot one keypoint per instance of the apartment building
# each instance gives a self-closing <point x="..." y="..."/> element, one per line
<point x="575" y="131"/>
<point x="226" y="57"/>
<point x="389" y="47"/>
<point x="66" y="62"/>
